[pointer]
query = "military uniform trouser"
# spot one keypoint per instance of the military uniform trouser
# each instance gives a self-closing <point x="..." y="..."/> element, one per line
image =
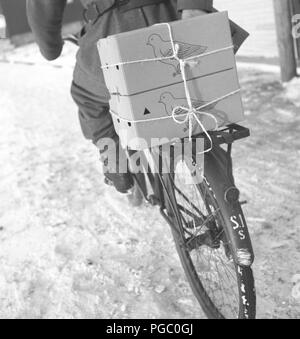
<point x="88" y="87"/>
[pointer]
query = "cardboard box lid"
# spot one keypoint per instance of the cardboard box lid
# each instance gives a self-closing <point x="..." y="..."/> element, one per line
<point x="194" y="36"/>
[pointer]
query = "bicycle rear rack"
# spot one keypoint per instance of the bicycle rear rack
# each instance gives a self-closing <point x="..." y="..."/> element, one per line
<point x="228" y="135"/>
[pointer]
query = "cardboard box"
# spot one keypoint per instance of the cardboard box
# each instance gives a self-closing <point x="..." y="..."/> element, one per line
<point x="195" y="36"/>
<point x="133" y="114"/>
<point x="145" y="91"/>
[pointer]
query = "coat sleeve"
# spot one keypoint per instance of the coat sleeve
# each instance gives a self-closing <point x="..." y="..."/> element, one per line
<point x="239" y="35"/>
<point x="204" y="5"/>
<point x="45" y="20"/>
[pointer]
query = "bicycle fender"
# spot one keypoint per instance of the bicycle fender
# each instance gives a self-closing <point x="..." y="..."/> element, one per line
<point x="219" y="177"/>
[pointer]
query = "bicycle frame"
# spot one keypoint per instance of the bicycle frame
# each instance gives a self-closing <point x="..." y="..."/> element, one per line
<point x="164" y="196"/>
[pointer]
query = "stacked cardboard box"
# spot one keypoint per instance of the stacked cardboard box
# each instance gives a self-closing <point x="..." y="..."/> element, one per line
<point x="144" y="93"/>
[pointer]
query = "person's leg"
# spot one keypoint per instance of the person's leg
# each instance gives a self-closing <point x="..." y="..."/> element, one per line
<point x="93" y="109"/>
<point x="97" y="126"/>
<point x="88" y="87"/>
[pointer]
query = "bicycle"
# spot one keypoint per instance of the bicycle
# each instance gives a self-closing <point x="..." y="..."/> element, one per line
<point x="208" y="227"/>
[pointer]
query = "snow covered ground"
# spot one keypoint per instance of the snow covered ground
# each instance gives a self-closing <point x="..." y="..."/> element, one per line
<point x="292" y="90"/>
<point x="73" y="248"/>
<point x="2" y="26"/>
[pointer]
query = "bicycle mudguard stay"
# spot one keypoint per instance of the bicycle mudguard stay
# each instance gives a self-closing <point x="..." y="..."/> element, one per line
<point x="218" y="164"/>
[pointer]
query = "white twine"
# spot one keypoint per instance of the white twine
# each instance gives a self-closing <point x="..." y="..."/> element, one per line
<point x="117" y="116"/>
<point x="191" y="111"/>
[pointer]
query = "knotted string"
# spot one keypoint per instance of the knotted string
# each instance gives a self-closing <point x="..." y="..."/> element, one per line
<point x="191" y="112"/>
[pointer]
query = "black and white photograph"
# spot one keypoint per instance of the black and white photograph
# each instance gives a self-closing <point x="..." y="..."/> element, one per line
<point x="149" y="162"/>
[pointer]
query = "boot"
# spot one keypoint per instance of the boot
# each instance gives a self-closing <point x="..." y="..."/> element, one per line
<point x="113" y="157"/>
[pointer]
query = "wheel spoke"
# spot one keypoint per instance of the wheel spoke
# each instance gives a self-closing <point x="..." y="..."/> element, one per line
<point x="188" y="200"/>
<point x="202" y="226"/>
<point x="189" y="213"/>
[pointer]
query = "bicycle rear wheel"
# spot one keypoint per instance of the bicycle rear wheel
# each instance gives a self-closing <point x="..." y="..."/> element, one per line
<point x="224" y="289"/>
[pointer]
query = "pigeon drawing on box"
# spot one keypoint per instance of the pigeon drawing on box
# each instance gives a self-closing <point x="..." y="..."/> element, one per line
<point x="170" y="102"/>
<point x="163" y="49"/>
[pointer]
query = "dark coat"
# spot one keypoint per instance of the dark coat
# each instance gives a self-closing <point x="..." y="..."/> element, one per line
<point x="45" y="19"/>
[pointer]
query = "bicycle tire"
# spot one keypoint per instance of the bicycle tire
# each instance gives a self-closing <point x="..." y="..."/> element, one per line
<point x="245" y="288"/>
